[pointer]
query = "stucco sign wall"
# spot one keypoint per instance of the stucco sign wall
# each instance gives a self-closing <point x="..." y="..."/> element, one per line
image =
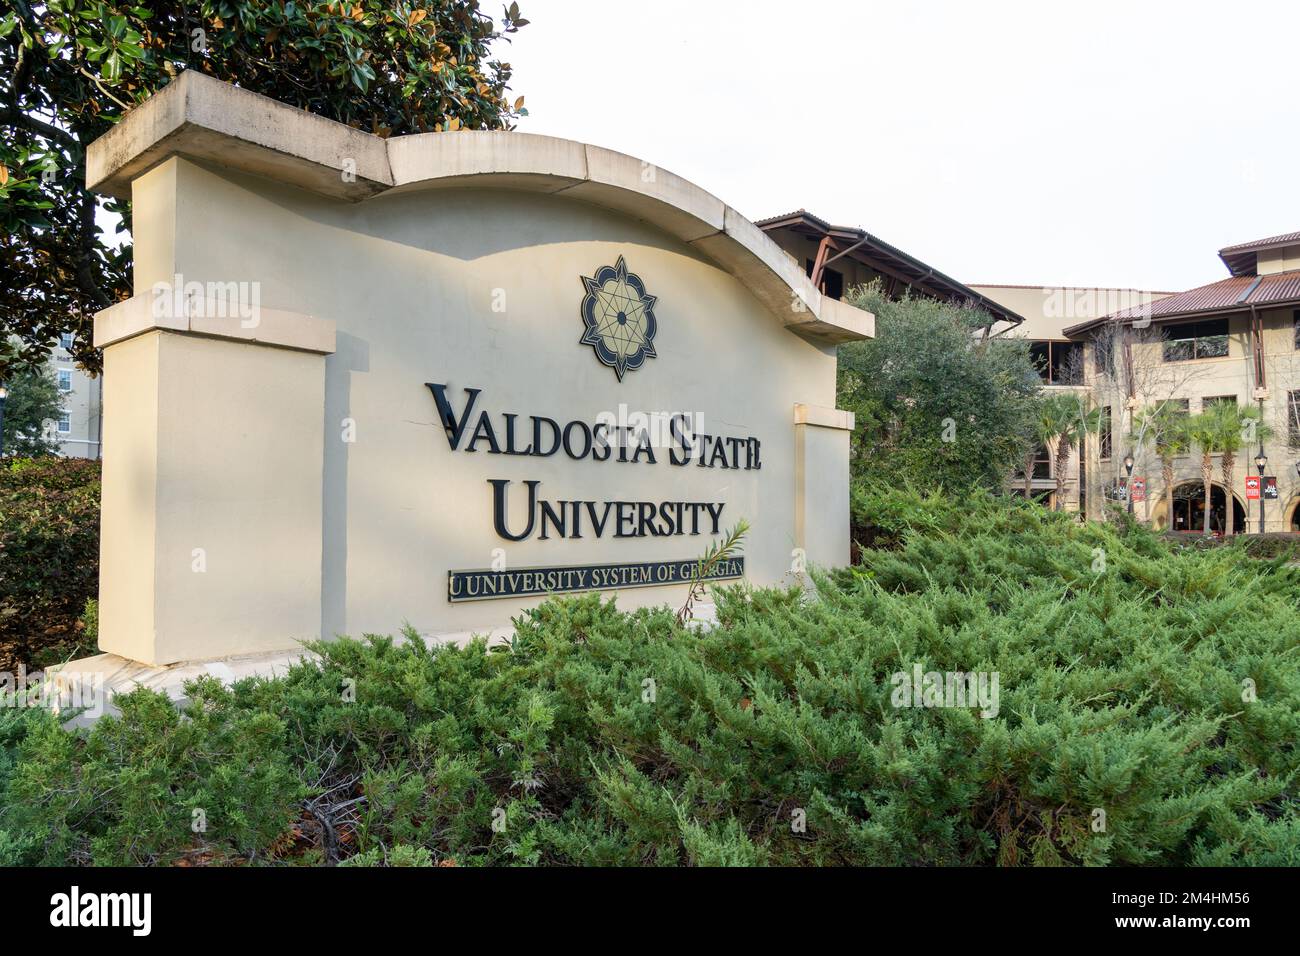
<point x="434" y="378"/>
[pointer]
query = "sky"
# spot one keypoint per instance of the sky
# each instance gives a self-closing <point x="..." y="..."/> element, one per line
<point x="1090" y="143"/>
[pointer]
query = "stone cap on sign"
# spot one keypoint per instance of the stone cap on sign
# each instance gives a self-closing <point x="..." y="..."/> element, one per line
<point x="206" y="119"/>
<point x="820" y="416"/>
<point x="212" y="318"/>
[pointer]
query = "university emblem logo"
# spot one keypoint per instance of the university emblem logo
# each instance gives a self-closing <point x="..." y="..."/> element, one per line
<point x="619" y="317"/>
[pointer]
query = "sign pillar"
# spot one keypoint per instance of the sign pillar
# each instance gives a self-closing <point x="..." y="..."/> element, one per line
<point x="210" y="540"/>
<point x="821" y="515"/>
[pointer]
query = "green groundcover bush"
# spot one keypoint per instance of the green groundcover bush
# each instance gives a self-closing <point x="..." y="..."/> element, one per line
<point x="49" y="558"/>
<point x="1148" y="713"/>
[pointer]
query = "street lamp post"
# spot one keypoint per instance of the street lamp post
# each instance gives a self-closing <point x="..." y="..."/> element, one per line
<point x="1261" y="462"/>
<point x="4" y="393"/>
<point x="1128" y="487"/>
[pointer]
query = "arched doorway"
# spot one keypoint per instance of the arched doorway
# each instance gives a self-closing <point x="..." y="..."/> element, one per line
<point x="1189" y="509"/>
<point x="1293" y="515"/>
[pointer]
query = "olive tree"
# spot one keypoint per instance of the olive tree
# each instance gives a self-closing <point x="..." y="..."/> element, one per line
<point x="937" y="404"/>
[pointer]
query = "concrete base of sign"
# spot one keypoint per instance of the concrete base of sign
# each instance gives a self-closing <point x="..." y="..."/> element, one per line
<point x="112" y="674"/>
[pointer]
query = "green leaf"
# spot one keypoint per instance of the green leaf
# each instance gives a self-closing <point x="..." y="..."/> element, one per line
<point x="111" y="69"/>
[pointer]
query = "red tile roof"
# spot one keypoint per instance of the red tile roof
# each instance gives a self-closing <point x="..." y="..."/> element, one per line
<point x="1243" y="258"/>
<point x="1282" y="240"/>
<point x="1226" y="295"/>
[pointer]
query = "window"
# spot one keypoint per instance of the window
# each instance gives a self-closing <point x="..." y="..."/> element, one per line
<point x="65" y="380"/>
<point x="65" y="340"/>
<point x="1293" y="419"/>
<point x="1218" y="399"/>
<point x="1104" y="439"/>
<point x="1042" y="464"/>
<point x="65" y="423"/>
<point x="1196" y="340"/>
<point x="1059" y="363"/>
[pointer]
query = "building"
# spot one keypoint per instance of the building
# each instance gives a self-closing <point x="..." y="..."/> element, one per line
<point x="1124" y="350"/>
<point x="840" y="258"/>
<point x="1237" y="339"/>
<point x="1047" y="311"/>
<point x="77" y="429"/>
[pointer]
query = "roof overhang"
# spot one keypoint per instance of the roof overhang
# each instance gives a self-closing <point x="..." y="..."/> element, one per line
<point x="202" y="118"/>
<point x="1083" y="328"/>
<point x="889" y="260"/>
<point x="1243" y="258"/>
<point x="1240" y="263"/>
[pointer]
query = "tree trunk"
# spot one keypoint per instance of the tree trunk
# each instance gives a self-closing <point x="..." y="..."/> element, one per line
<point x="1229" y="519"/>
<point x="1207" y="468"/>
<point x="1167" y="474"/>
<point x="1062" y="462"/>
<point x="1029" y="474"/>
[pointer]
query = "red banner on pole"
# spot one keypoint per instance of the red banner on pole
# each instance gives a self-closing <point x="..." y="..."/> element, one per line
<point x="1252" y="488"/>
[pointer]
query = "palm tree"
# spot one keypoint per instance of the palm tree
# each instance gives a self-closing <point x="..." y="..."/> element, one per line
<point x="1239" y="428"/>
<point x="1065" y="420"/>
<point x="1164" y="426"/>
<point x="1209" y="432"/>
<point x="1042" y="431"/>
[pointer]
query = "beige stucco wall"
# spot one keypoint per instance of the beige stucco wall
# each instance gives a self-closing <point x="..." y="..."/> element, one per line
<point x="821" y="507"/>
<point x="239" y="486"/>
<point x="211" y="530"/>
<point x="129" y="499"/>
<point x="1049" y="310"/>
<point x="1284" y="259"/>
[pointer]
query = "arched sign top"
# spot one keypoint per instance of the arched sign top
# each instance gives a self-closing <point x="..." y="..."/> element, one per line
<point x="203" y="118"/>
